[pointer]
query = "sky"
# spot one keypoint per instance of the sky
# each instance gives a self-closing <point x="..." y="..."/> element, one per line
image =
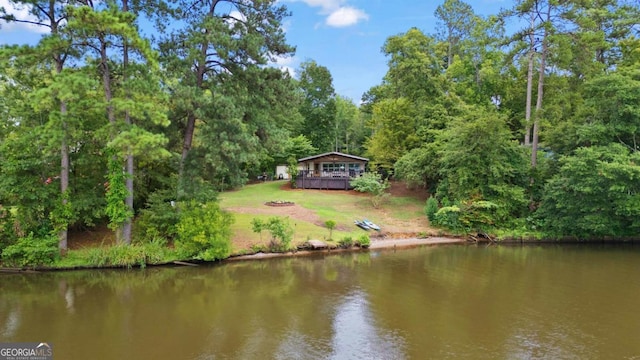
<point x="345" y="36"/>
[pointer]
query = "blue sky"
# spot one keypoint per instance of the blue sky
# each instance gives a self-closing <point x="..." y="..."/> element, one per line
<point x="346" y="36"/>
<point x="343" y="35"/>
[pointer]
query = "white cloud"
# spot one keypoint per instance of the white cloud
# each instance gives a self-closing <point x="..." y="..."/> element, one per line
<point x="285" y="63"/>
<point x="285" y="25"/>
<point x="238" y="15"/>
<point x="346" y="16"/>
<point x="234" y="17"/>
<point x="20" y="12"/>
<point x="338" y="14"/>
<point x="326" y="5"/>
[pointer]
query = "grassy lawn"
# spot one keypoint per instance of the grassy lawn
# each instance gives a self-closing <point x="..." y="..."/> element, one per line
<point x="399" y="216"/>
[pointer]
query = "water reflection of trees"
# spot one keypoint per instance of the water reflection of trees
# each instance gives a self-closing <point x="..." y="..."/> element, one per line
<point x="448" y="300"/>
<point x="218" y="309"/>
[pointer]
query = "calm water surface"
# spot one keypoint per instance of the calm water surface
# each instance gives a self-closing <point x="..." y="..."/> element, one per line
<point x="447" y="302"/>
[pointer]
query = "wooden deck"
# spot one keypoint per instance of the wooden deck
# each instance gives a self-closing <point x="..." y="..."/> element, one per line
<point x="325" y="183"/>
<point x="326" y="180"/>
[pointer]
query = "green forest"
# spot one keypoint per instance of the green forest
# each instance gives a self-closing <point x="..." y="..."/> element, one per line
<point x="524" y="122"/>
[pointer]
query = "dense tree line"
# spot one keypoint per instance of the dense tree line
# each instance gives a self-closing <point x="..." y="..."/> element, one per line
<point x="101" y="123"/>
<point x="532" y="129"/>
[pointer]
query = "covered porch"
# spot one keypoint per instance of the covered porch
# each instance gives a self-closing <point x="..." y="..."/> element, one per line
<point x="332" y="171"/>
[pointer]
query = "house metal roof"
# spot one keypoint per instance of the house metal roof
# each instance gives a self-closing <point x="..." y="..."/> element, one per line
<point x="333" y="153"/>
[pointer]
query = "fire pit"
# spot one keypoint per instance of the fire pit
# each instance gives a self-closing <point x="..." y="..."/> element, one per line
<point x="279" y="203"/>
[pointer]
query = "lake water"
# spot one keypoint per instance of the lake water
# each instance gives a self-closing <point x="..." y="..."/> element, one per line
<point x="439" y="302"/>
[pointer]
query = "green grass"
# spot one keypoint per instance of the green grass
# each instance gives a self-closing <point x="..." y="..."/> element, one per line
<point x="118" y="255"/>
<point x="338" y="206"/>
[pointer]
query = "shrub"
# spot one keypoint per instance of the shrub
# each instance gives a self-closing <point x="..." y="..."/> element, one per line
<point x="448" y="217"/>
<point x="346" y="242"/>
<point x="431" y="208"/>
<point x="160" y="219"/>
<point x="469" y="216"/>
<point x="280" y="230"/>
<point x="373" y="184"/>
<point x="364" y="241"/>
<point x="292" y="171"/>
<point x="7" y="228"/>
<point x="31" y="251"/>
<point x="128" y="255"/>
<point x="257" y="226"/>
<point x="204" y="231"/>
<point x="258" y="248"/>
<point x="330" y="224"/>
<point x="479" y="215"/>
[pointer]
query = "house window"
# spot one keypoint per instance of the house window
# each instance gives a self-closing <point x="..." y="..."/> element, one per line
<point x="332" y="167"/>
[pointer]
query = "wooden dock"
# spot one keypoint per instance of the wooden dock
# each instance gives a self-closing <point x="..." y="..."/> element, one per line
<point x="317" y="244"/>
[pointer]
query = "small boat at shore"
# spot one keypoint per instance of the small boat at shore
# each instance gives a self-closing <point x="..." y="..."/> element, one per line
<point x="371" y="225"/>
<point x="366" y="225"/>
<point x="361" y="225"/>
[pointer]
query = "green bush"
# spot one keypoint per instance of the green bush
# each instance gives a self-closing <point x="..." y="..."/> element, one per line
<point x="373" y="184"/>
<point x="31" y="251"/>
<point x="280" y="230"/>
<point x="431" y="208"/>
<point x="330" y="224"/>
<point x="117" y="255"/>
<point x="127" y="255"/>
<point x="292" y="171"/>
<point x="346" y="242"/>
<point x="364" y="241"/>
<point x="204" y="231"/>
<point x="469" y="216"/>
<point x="448" y="217"/>
<point x="479" y="216"/>
<point x="7" y="231"/>
<point x="160" y="219"/>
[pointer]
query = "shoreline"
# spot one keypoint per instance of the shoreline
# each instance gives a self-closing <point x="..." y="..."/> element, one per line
<point x="375" y="245"/>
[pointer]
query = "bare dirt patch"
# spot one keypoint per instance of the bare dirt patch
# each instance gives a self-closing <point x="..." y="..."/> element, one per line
<point x="401" y="189"/>
<point x="94" y="237"/>
<point x="393" y="228"/>
<point x="294" y="211"/>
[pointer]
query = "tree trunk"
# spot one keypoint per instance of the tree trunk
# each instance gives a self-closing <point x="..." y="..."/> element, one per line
<point x="527" y="110"/>
<point x="191" y="118"/>
<point x="106" y="83"/>
<point x="64" y="145"/>
<point x="64" y="175"/>
<point x="450" y="48"/>
<point x="188" y="138"/>
<point x="127" y="225"/>
<point x="536" y="121"/>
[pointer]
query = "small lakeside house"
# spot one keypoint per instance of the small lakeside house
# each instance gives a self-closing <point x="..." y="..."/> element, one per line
<point x="332" y="170"/>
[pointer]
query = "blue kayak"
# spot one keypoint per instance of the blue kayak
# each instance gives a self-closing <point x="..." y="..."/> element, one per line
<point x="371" y="225"/>
<point x="362" y="225"/>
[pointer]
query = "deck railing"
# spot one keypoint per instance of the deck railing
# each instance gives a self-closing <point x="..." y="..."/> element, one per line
<point x="330" y="174"/>
<point x="339" y="180"/>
